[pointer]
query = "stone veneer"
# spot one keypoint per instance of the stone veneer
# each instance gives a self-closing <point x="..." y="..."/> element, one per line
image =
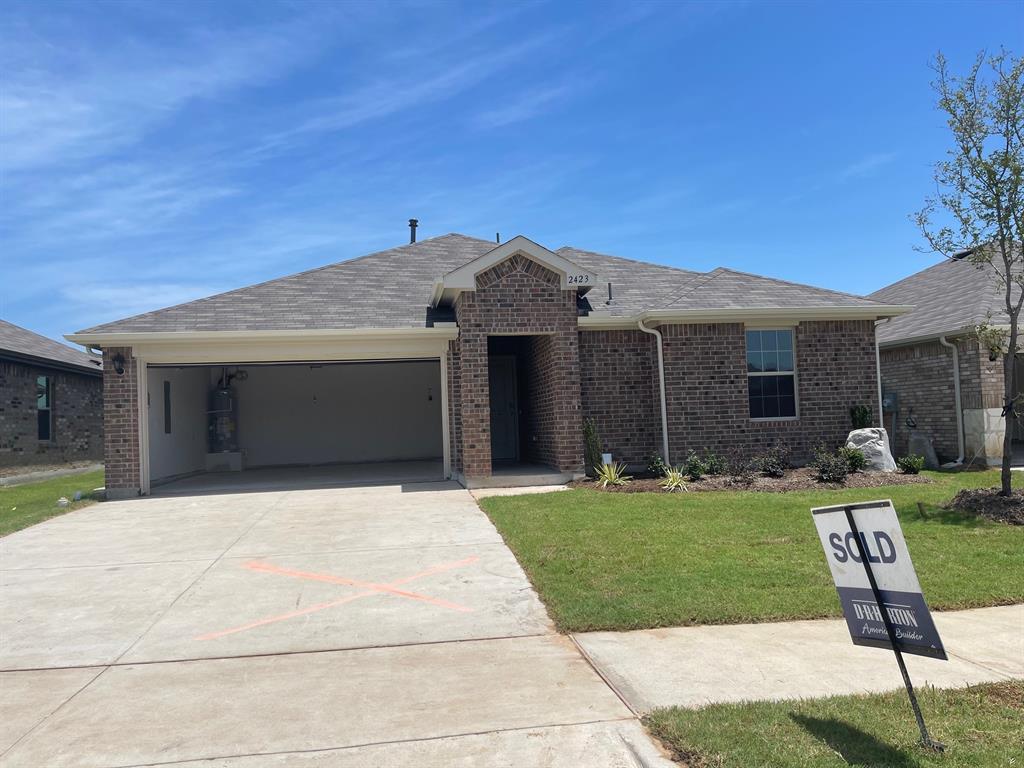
<point x="77" y="416"/>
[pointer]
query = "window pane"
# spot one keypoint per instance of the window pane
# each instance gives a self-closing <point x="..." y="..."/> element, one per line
<point x="754" y="361"/>
<point x="785" y="361"/>
<point x="768" y="340"/>
<point x="756" y="407"/>
<point x="786" y="386"/>
<point x="754" y="382"/>
<point x="43" y="423"/>
<point x="753" y="340"/>
<point x="771" y="407"/>
<point x="769" y="385"/>
<point x="787" y="406"/>
<point x="785" y="339"/>
<point x="42" y="392"/>
<point x="770" y="360"/>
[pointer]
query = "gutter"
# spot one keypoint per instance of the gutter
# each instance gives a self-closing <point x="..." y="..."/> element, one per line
<point x="661" y="386"/>
<point x="599" y="320"/>
<point x="957" y="401"/>
<point x="116" y="338"/>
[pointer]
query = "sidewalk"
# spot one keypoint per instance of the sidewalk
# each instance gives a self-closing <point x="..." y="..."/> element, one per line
<point x="693" y="666"/>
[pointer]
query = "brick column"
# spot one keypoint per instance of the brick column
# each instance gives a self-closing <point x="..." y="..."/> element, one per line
<point x="121" y="425"/>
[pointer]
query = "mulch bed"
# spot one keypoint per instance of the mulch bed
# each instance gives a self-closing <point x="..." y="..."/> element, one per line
<point x="801" y="479"/>
<point x="986" y="502"/>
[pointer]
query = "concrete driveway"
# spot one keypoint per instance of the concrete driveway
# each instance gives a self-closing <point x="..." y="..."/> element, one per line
<point x="373" y="626"/>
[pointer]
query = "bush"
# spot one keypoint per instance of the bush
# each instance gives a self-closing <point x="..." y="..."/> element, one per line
<point x="673" y="480"/>
<point x="656" y="466"/>
<point x="831" y="467"/>
<point x="740" y="468"/>
<point x="693" y="466"/>
<point x="910" y="465"/>
<point x="855" y="458"/>
<point x="860" y="416"/>
<point x="612" y="474"/>
<point x="715" y="464"/>
<point x="591" y="448"/>
<point x="774" y="462"/>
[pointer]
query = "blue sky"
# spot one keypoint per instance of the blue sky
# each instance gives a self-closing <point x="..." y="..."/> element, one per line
<point x="154" y="153"/>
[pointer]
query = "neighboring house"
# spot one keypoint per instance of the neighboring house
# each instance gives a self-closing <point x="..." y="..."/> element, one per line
<point x="483" y="358"/>
<point x="51" y="400"/>
<point x="931" y="357"/>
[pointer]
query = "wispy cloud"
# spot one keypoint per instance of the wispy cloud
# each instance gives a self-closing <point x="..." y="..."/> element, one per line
<point x="525" y="106"/>
<point x="866" y="166"/>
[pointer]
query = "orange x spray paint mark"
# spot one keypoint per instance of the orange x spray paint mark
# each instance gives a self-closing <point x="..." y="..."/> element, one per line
<point x="368" y="589"/>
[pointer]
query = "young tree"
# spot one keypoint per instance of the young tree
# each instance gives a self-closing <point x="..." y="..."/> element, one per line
<point x="978" y="207"/>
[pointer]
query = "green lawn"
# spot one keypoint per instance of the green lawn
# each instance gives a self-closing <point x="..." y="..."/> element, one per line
<point x="628" y="561"/>
<point x="980" y="726"/>
<point x="25" y="505"/>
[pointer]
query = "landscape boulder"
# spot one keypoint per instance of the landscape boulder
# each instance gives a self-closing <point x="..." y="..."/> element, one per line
<point x="873" y="442"/>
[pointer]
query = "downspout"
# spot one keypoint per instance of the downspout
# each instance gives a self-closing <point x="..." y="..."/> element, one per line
<point x="661" y="386"/>
<point x="956" y="399"/>
<point x="878" y="376"/>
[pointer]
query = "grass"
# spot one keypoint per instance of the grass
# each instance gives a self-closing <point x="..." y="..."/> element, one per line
<point x="980" y="726"/>
<point x="25" y="505"/>
<point x="629" y="561"/>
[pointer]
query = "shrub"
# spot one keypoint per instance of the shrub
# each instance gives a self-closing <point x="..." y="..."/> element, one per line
<point x="693" y="466"/>
<point x="855" y="458"/>
<point x="591" y="448"/>
<point x="831" y="467"/>
<point x="774" y="462"/>
<point x="714" y="464"/>
<point x="656" y="466"/>
<point x="740" y="468"/>
<point x="674" y="480"/>
<point x="910" y="465"/>
<point x="860" y="416"/>
<point x="612" y="474"/>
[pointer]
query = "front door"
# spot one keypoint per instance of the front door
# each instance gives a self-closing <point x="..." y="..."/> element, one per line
<point x="501" y="372"/>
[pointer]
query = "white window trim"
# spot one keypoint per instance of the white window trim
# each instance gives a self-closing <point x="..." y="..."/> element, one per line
<point x="795" y="374"/>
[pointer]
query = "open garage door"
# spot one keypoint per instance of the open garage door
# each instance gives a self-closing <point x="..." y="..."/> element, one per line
<point x="339" y="416"/>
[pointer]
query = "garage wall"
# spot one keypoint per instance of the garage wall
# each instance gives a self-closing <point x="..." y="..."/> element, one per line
<point x="184" y="449"/>
<point x="359" y="412"/>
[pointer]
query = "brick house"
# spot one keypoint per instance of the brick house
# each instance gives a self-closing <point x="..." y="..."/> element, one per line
<point x="935" y="373"/>
<point x="480" y="361"/>
<point x="51" y="401"/>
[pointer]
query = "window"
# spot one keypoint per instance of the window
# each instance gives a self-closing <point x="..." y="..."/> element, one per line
<point x="771" y="374"/>
<point x="44" y="407"/>
<point x="167" y="407"/>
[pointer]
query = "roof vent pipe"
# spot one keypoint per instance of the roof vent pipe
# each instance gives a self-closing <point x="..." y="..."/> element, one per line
<point x="413" y="223"/>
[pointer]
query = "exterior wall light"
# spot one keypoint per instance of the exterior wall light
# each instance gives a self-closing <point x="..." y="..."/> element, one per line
<point x="118" y="362"/>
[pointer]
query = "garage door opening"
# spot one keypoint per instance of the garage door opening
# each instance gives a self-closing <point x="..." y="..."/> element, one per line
<point x="345" y="421"/>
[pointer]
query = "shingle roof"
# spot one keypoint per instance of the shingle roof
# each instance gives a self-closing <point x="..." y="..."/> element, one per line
<point x="23" y="343"/>
<point x="391" y="289"/>
<point x="949" y="297"/>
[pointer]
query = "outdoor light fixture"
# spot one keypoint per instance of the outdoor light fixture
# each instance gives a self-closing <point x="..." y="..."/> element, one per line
<point x="118" y="362"/>
<point x="993" y="355"/>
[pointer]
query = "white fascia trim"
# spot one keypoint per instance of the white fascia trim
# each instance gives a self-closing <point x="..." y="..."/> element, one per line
<point x="446" y="331"/>
<point x="746" y="315"/>
<point x="464" y="278"/>
<point x="925" y="337"/>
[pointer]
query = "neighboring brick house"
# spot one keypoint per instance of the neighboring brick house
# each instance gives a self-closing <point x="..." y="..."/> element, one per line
<point x="485" y="359"/>
<point x="921" y="353"/>
<point x="51" y="401"/>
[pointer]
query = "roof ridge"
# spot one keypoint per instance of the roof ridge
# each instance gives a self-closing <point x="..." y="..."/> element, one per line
<point x="798" y="285"/>
<point x="282" y="277"/>
<point x="705" y="279"/>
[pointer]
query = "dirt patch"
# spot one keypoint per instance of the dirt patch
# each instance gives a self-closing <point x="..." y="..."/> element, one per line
<point x="986" y="502"/>
<point x="801" y="479"/>
<point x="1009" y="694"/>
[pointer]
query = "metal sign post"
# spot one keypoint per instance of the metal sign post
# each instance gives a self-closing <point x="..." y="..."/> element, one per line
<point x="926" y="739"/>
<point x="878" y="587"/>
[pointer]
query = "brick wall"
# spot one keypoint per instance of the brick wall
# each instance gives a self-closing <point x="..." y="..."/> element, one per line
<point x="77" y="416"/>
<point x="619" y="391"/>
<point x="121" y="424"/>
<point x="518" y="297"/>
<point x="706" y="382"/>
<point x="922" y="377"/>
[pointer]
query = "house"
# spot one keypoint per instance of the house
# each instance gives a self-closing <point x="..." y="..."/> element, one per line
<point x="51" y="401"/>
<point x="937" y="376"/>
<point x="484" y="359"/>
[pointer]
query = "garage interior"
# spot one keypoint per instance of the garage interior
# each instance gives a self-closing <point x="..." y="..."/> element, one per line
<point x="320" y="421"/>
